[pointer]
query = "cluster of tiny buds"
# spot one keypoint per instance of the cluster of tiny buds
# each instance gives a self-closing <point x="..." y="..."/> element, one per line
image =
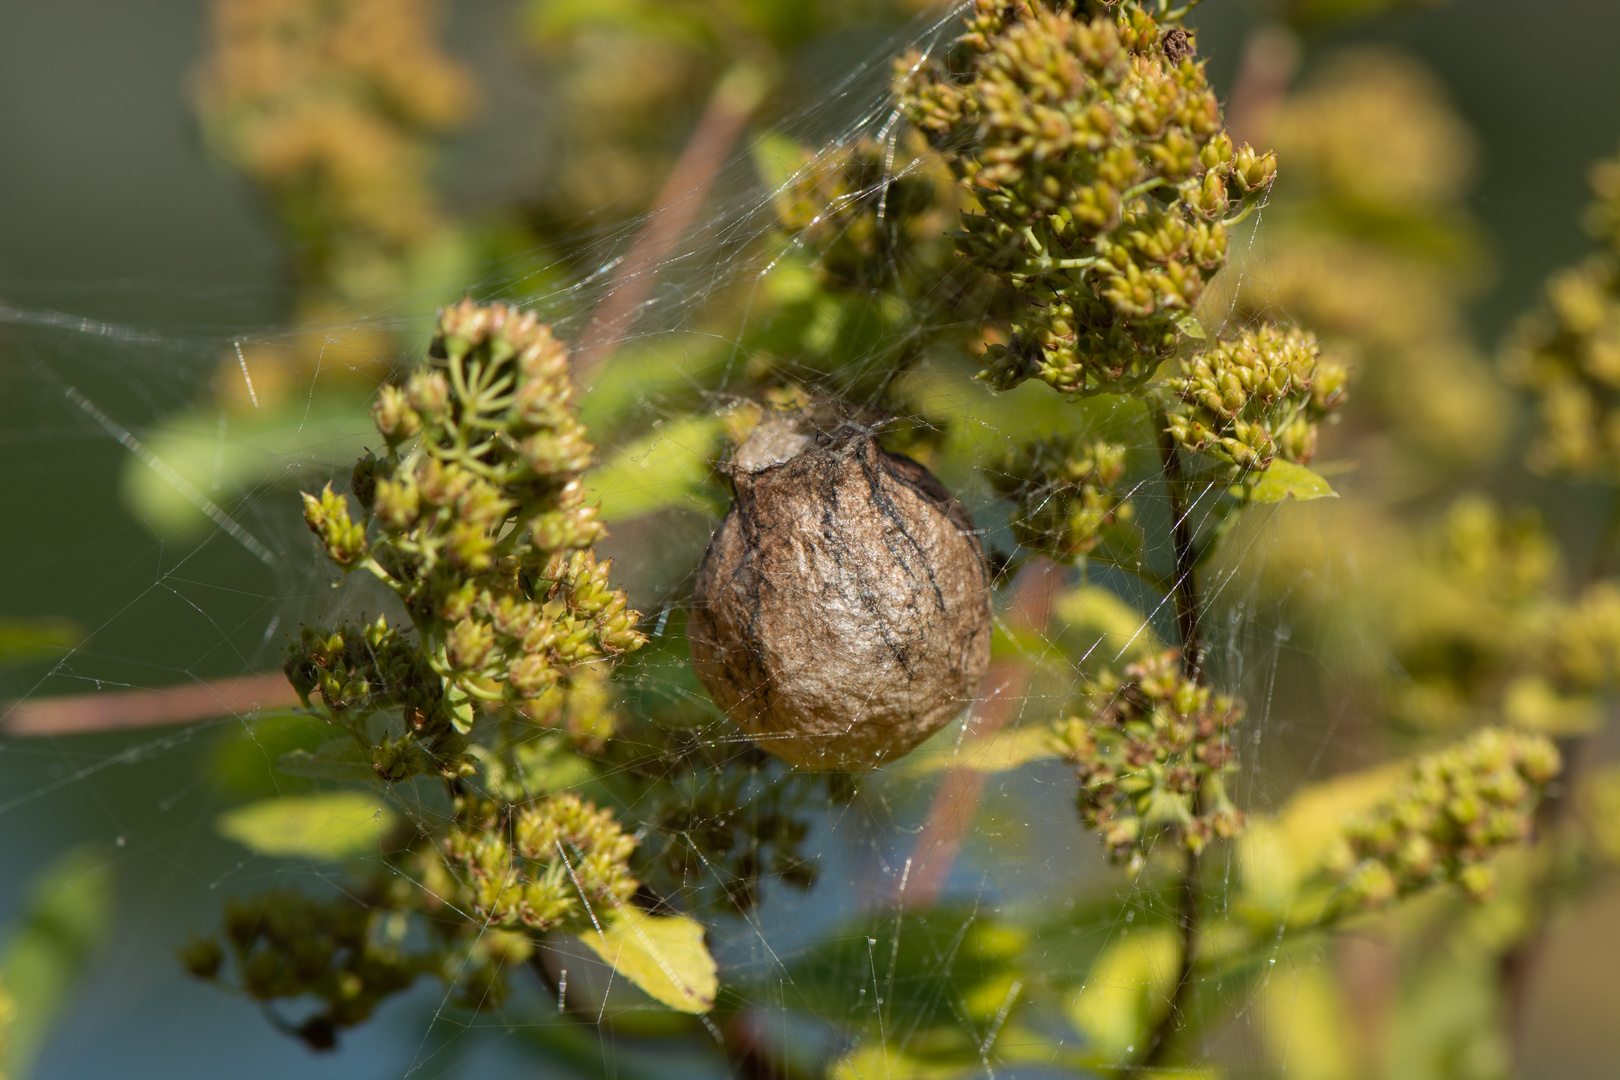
<point x="286" y="945"/>
<point x="1460" y="807"/>
<point x="363" y="670"/>
<point x="328" y="105"/>
<point x="866" y="225"/>
<point x="476" y="515"/>
<point x="1062" y="491"/>
<point x="556" y="863"/>
<point x="1150" y="758"/>
<point x="1260" y="395"/>
<point x="1096" y="151"/>
<point x="1582" y="644"/>
<point x="1568" y="353"/>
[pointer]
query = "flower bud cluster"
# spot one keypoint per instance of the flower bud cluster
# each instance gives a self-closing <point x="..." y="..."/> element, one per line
<point x="1062" y="490"/>
<point x="1151" y="757"/>
<point x="1096" y="152"/>
<point x="1257" y="396"/>
<point x="1460" y="613"/>
<point x="870" y="219"/>
<point x="556" y="863"/>
<point x="1461" y="806"/>
<point x="723" y="823"/>
<point x="328" y="104"/>
<point x="477" y="517"/>
<point x="1582" y="642"/>
<point x="1568" y="355"/>
<point x="360" y="670"/>
<point x="1371" y="136"/>
<point x="283" y="945"/>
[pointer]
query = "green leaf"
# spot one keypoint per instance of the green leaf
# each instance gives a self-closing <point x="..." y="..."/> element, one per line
<point x="655" y="373"/>
<point x="331" y="826"/>
<point x="49" y="949"/>
<point x="662" y="955"/>
<point x="1190" y="326"/>
<point x="460" y="704"/>
<point x="548" y="763"/>
<point x="212" y="457"/>
<point x="777" y="157"/>
<point x="244" y="766"/>
<point x="340" y="759"/>
<point x="668" y="467"/>
<point x="1284" y="480"/>
<point x="24" y="640"/>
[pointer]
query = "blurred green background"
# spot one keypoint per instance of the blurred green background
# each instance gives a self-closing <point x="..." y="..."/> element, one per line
<point x="111" y="212"/>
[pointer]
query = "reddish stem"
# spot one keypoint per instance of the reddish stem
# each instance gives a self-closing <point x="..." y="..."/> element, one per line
<point x="82" y="714"/>
<point x="957" y="800"/>
<point x="677" y="204"/>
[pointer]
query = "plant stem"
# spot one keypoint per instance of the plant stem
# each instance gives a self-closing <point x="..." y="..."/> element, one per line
<point x="79" y="714"/>
<point x="1159" y="1042"/>
<point x="735" y="98"/>
<point x="1518" y="967"/>
<point x="1555" y="837"/>
<point x="1184" y="579"/>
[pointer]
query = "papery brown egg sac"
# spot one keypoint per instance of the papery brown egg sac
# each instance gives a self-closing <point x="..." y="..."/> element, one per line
<point x="842" y="611"/>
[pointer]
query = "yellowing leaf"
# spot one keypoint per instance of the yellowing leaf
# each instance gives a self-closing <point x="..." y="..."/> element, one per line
<point x="877" y="1061"/>
<point x="1127" y="991"/>
<point x="1532" y="703"/>
<point x="49" y="948"/>
<point x="1284" y="480"/>
<point x="1001" y="752"/>
<point x="662" y="955"/>
<point x="1600" y="796"/>
<point x="334" y="825"/>
<point x="1304" y="1023"/>
<point x="1098" y="615"/>
<point x="25" y="640"/>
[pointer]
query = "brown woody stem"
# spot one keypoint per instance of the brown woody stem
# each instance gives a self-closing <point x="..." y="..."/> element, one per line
<point x="1185" y="577"/>
<point x="1192" y="655"/>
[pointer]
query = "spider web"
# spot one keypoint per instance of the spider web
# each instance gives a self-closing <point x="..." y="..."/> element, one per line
<point x="851" y="959"/>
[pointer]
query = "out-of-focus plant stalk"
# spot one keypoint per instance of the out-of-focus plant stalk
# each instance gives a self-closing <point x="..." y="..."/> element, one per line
<point x="957" y="799"/>
<point x="678" y="202"/>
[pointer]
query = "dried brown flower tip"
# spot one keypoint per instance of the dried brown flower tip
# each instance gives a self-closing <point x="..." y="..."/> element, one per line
<point x="1177" y="44"/>
<point x="842" y="611"/>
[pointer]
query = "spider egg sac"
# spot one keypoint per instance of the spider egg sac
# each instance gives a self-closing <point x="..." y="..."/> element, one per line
<point x="842" y="611"/>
